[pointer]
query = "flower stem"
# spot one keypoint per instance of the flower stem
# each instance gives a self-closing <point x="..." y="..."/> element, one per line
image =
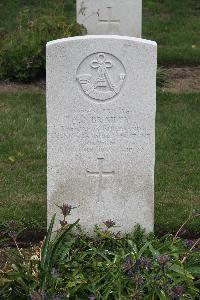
<point x="186" y="256"/>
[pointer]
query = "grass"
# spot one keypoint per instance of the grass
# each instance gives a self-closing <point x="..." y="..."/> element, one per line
<point x="177" y="156"/>
<point x="23" y="159"/>
<point x="173" y="24"/>
<point x="15" y="12"/>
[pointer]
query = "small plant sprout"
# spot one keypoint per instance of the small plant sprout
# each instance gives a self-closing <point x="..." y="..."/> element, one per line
<point x="193" y="213"/>
<point x="13" y="232"/>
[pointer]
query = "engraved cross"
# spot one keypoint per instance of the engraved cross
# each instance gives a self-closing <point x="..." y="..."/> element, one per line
<point x="101" y="173"/>
<point x="110" y="21"/>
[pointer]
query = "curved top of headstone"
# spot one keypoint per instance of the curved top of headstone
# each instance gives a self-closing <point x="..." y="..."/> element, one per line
<point x="98" y="37"/>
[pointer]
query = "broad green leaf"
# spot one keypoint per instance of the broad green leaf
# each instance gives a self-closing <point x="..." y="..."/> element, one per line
<point x="47" y="241"/>
<point x="133" y="248"/>
<point x="180" y="270"/>
<point x="154" y="252"/>
<point x="194" y="270"/>
<point x="58" y="241"/>
<point x="142" y="250"/>
<point x="161" y="294"/>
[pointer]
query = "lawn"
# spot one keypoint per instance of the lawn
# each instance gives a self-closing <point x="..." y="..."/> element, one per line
<point x="177" y="171"/>
<point x="23" y="159"/>
<point x="174" y="25"/>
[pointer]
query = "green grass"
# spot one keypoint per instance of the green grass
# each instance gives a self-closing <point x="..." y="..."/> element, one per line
<point x="23" y="159"/>
<point x="177" y="159"/>
<point x="175" y="24"/>
<point x="14" y="13"/>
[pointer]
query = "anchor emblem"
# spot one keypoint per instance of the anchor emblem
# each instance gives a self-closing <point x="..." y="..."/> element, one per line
<point x="100" y="84"/>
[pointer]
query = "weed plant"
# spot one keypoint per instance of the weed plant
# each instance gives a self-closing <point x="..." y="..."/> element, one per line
<point x="162" y="77"/>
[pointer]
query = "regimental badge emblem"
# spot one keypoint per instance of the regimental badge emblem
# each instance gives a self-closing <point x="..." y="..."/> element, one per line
<point x="101" y="76"/>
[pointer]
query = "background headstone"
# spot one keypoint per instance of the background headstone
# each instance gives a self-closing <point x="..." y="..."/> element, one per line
<point x="101" y="104"/>
<point x="121" y="17"/>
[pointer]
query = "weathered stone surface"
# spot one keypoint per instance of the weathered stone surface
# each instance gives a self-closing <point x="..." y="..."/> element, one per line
<point x="101" y="102"/>
<point x="121" y="17"/>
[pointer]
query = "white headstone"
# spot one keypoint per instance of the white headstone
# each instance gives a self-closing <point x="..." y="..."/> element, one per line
<point x="121" y="17"/>
<point x="101" y="103"/>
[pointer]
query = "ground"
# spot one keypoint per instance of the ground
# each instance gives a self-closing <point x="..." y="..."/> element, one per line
<point x="175" y="25"/>
<point x="185" y="79"/>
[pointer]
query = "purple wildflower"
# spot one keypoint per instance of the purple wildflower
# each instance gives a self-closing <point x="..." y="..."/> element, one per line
<point x="109" y="223"/>
<point x="66" y="209"/>
<point x="189" y="243"/>
<point x="128" y="266"/>
<point x="176" y="292"/>
<point x="163" y="260"/>
<point x="145" y="262"/>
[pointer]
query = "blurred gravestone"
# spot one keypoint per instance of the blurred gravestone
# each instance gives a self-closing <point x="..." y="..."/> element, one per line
<point x="121" y="17"/>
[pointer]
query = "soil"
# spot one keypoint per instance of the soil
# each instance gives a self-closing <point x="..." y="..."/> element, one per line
<point x="6" y="86"/>
<point x="28" y="238"/>
<point x="183" y="79"/>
